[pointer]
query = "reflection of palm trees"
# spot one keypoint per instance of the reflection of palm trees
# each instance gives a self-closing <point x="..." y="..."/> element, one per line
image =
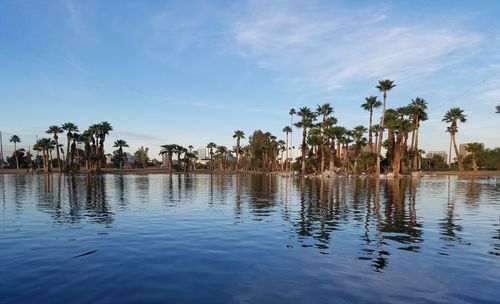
<point x="95" y="202"/>
<point x="380" y="261"/>
<point x="4" y="203"/>
<point x="496" y="239"/>
<point x="120" y="188"/>
<point x="327" y="208"/>
<point x="399" y="224"/>
<point x="447" y="225"/>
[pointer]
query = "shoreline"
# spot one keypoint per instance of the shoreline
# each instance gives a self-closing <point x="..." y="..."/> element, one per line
<point x="166" y="171"/>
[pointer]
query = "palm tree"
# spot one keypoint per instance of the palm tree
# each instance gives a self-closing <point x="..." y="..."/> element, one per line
<point x="375" y="127"/>
<point x="453" y="116"/>
<point x="69" y="127"/>
<point x="474" y="148"/>
<point x="44" y="145"/>
<point x="417" y="108"/>
<point x="221" y="153"/>
<point x="325" y="110"/>
<point x="286" y="130"/>
<point x="291" y="113"/>
<point x="15" y="139"/>
<point x="169" y="151"/>
<point x="371" y="103"/>
<point x="103" y="128"/>
<point x="75" y="152"/>
<point x="238" y="135"/>
<point x="54" y="129"/>
<point x="211" y="146"/>
<point x="359" y="142"/>
<point x="306" y="121"/>
<point x="383" y="86"/>
<point x="120" y="144"/>
<point x="398" y="125"/>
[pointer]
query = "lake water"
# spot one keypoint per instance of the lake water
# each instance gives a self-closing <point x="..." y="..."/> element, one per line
<point x="248" y="239"/>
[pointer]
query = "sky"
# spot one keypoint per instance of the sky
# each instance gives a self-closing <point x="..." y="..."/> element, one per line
<point x="192" y="72"/>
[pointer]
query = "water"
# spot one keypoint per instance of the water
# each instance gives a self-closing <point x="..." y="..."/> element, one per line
<point x="248" y="239"/>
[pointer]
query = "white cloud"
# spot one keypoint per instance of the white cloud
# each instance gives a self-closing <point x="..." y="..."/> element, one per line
<point x="330" y="48"/>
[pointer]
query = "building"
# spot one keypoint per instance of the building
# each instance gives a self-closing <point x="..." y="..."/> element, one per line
<point x="462" y="150"/>
<point x="203" y="153"/>
<point x="443" y="154"/>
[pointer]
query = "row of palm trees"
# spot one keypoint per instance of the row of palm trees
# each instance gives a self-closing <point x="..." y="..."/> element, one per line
<point x="92" y="139"/>
<point x="327" y="146"/>
<point x="185" y="162"/>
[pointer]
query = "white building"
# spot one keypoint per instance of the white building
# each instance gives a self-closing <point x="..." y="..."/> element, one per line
<point x="431" y="154"/>
<point x="203" y="153"/>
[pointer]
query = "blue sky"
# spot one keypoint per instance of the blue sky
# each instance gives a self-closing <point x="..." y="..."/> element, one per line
<point x="191" y="72"/>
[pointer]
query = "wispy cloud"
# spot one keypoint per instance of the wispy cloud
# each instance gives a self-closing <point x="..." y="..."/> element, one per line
<point x="74" y="14"/>
<point x="331" y="48"/>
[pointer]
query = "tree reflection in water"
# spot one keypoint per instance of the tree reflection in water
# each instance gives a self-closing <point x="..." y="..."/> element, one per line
<point x="85" y="198"/>
<point x="364" y="218"/>
<point x="340" y="206"/>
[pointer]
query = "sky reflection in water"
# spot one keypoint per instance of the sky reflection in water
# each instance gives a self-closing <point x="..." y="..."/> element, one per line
<point x="248" y="238"/>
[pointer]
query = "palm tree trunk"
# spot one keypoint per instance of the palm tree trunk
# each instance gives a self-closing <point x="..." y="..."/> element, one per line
<point x="170" y="162"/>
<point x="15" y="154"/>
<point x="332" y="156"/>
<point x="474" y="162"/>
<point x="46" y="167"/>
<point x="380" y="137"/>
<point x="396" y="160"/>
<point x="415" y="146"/>
<point x="459" y="157"/>
<point x="50" y="159"/>
<point x="58" y="155"/>
<point x="304" y="135"/>
<point x="370" y="132"/>
<point x="67" y="153"/>
<point x="291" y="140"/>
<point x="237" y="153"/>
<point x="286" y="153"/>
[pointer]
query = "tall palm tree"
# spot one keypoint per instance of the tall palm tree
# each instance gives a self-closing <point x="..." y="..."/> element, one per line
<point x="474" y="148"/>
<point x="453" y="116"/>
<point x="75" y="151"/>
<point x="70" y="128"/>
<point x="238" y="135"/>
<point x="371" y="103"/>
<point x="287" y="130"/>
<point x="54" y="129"/>
<point x="325" y="110"/>
<point x="398" y="125"/>
<point x="359" y="141"/>
<point x="211" y="146"/>
<point x="291" y="113"/>
<point x="383" y="86"/>
<point x="44" y="145"/>
<point x="417" y="108"/>
<point x="221" y="153"/>
<point x="103" y="129"/>
<point x="169" y="151"/>
<point x="375" y="128"/>
<point x="15" y="140"/>
<point x="306" y="121"/>
<point x="120" y="144"/>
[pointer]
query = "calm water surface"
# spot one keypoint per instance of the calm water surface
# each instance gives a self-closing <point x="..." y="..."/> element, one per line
<point x="248" y="239"/>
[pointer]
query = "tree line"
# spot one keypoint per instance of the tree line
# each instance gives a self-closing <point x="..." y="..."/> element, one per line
<point x="325" y="146"/>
